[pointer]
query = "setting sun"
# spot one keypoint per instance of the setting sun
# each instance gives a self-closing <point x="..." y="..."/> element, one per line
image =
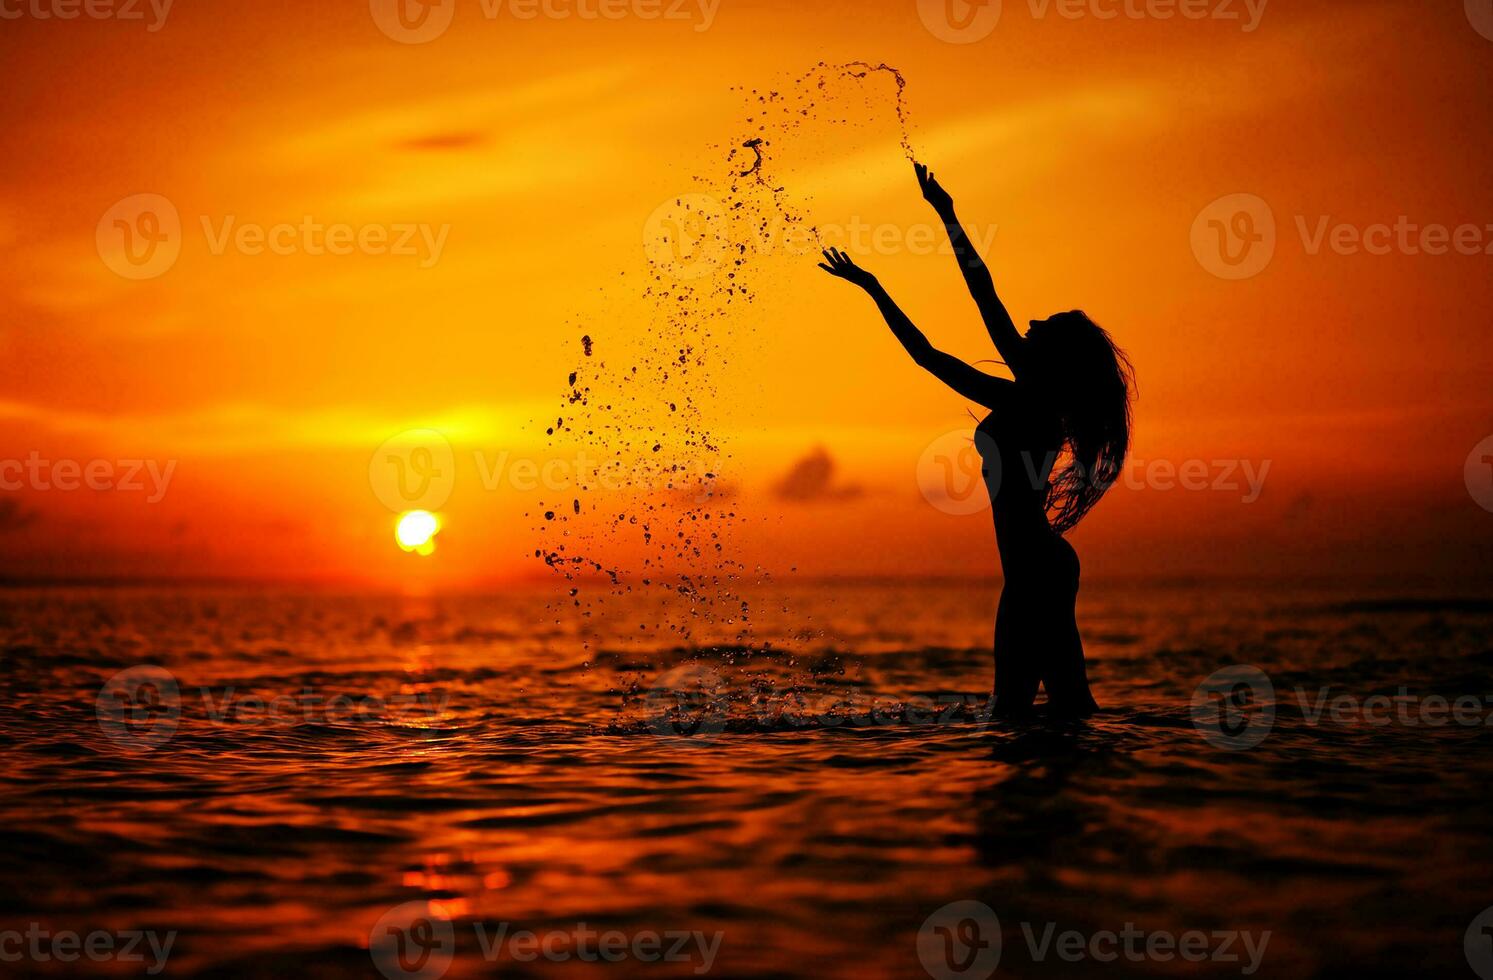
<point x="416" y="531"/>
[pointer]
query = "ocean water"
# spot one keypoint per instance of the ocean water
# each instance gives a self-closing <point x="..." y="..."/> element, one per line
<point x="283" y="781"/>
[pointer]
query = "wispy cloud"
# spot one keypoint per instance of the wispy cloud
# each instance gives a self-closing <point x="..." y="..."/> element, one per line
<point x="238" y="429"/>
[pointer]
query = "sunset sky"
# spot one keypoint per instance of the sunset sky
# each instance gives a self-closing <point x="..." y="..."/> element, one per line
<point x="529" y="155"/>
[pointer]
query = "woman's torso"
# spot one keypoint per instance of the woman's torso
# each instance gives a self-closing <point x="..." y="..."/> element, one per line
<point x="1019" y="448"/>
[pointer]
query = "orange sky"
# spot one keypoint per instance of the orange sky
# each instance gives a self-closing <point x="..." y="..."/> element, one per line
<point x="534" y="151"/>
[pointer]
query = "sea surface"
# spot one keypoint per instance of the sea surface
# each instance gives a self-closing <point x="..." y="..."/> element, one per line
<point x="289" y="784"/>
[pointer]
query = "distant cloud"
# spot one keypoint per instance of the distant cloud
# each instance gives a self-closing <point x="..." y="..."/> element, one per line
<point x="444" y="141"/>
<point x="14" y="517"/>
<point x="1300" y="507"/>
<point x="812" y="479"/>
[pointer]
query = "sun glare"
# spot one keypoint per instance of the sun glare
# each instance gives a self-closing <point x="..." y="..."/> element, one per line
<point x="416" y="531"/>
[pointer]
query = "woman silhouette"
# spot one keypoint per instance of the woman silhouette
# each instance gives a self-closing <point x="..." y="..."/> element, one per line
<point x="1053" y="444"/>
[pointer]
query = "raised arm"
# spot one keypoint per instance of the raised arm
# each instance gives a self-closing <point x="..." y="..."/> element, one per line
<point x="998" y="323"/>
<point x="973" y="384"/>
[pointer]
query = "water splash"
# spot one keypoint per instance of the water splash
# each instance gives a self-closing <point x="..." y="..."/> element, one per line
<point x="864" y="69"/>
<point x="667" y="523"/>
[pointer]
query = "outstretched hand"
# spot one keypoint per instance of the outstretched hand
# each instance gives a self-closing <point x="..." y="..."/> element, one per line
<point x="933" y="191"/>
<point x="838" y="264"/>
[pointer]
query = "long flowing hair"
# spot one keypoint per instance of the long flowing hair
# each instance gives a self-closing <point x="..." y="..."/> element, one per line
<point x="1092" y="385"/>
